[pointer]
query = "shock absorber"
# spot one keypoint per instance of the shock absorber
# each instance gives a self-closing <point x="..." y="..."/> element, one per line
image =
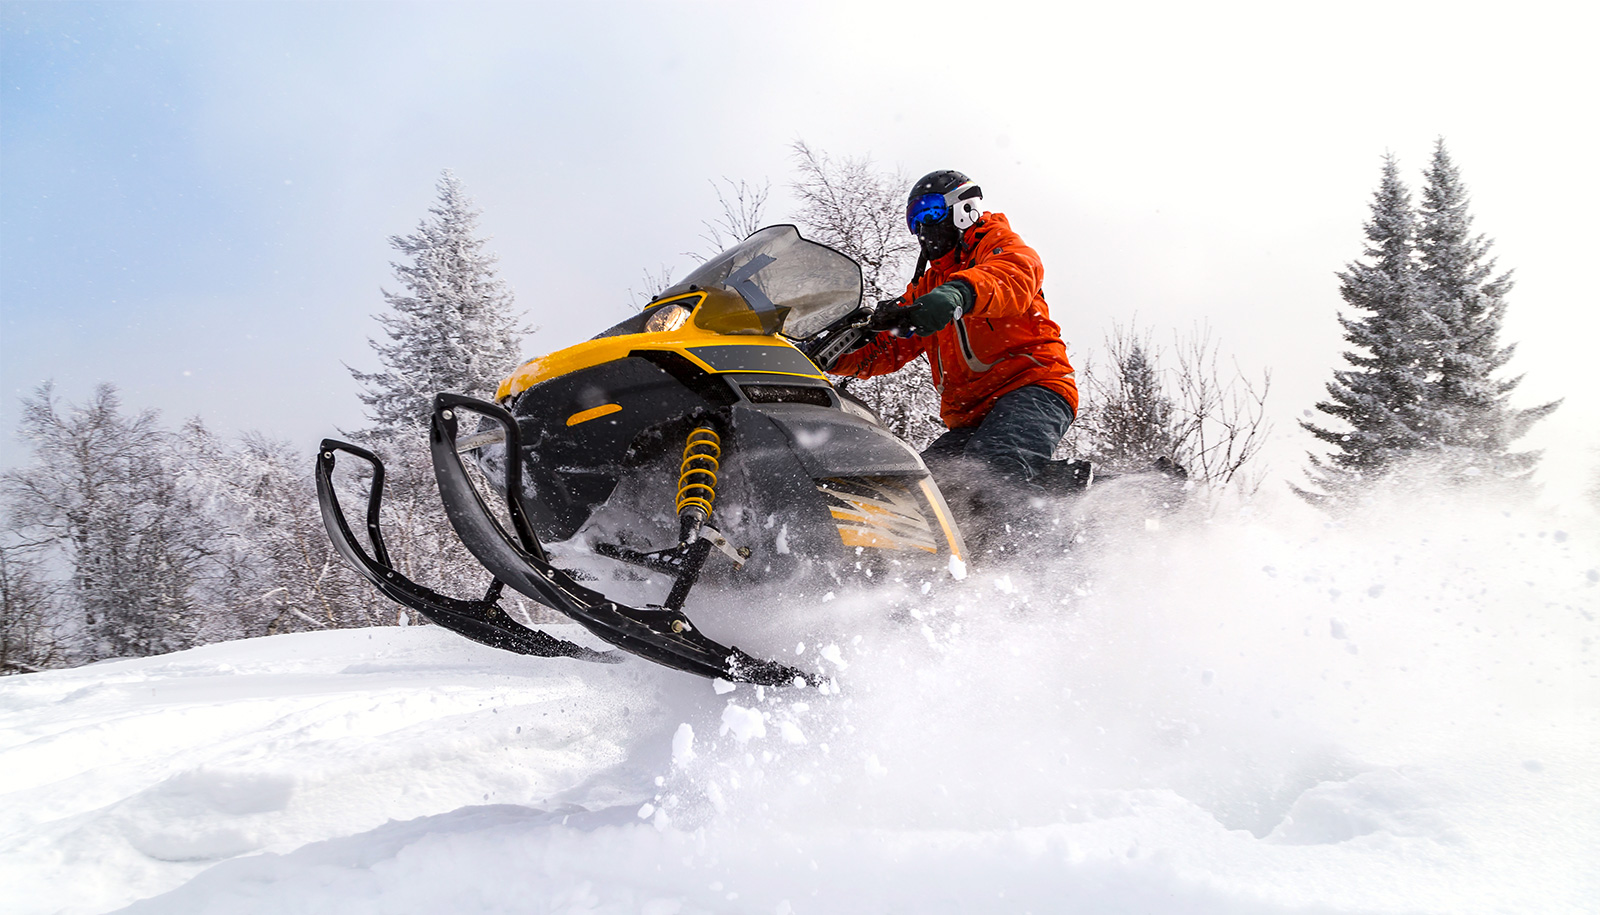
<point x="697" y="479"/>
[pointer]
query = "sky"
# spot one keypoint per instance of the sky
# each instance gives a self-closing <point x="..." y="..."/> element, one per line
<point x="196" y="199"/>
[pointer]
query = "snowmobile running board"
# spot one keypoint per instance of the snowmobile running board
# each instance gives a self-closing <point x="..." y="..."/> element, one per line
<point x="663" y="635"/>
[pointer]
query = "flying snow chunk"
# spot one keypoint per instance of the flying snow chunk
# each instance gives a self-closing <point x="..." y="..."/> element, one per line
<point x="874" y="768"/>
<point x="683" y="745"/>
<point x="743" y="723"/>
<point x="647" y="811"/>
<point x="714" y="794"/>
<point x="958" y="569"/>
<point x="722" y="686"/>
<point x="791" y="733"/>
<point x="832" y="656"/>
<point x="812" y="439"/>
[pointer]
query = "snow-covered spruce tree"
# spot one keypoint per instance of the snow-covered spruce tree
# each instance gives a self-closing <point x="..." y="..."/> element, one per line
<point x="453" y="329"/>
<point x="1381" y="397"/>
<point x="858" y="209"/>
<point x="1468" y="419"/>
<point x="1132" y="424"/>
<point x="103" y="496"/>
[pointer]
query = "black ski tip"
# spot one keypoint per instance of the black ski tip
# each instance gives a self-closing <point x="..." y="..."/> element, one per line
<point x="603" y="657"/>
<point x="747" y="668"/>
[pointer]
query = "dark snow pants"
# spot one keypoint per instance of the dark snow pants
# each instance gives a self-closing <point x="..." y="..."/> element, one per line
<point x="1014" y="441"/>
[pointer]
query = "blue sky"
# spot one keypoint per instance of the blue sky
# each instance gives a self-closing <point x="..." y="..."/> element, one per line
<point x="195" y="198"/>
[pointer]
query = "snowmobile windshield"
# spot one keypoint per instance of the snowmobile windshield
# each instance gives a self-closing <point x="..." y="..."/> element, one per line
<point x="773" y="282"/>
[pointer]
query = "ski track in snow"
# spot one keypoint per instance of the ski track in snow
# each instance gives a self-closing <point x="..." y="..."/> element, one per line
<point x="1243" y="714"/>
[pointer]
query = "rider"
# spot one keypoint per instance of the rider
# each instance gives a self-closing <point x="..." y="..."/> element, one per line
<point x="977" y="309"/>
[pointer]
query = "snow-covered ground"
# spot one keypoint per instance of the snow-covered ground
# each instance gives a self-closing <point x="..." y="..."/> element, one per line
<point x="1247" y="714"/>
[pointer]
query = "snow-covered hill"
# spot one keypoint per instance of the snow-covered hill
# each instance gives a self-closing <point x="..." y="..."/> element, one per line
<point x="1240" y="715"/>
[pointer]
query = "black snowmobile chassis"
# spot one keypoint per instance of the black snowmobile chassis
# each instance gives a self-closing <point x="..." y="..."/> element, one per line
<point x="663" y="635"/>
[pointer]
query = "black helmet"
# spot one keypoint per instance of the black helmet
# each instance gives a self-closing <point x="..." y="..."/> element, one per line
<point x="940" y="207"/>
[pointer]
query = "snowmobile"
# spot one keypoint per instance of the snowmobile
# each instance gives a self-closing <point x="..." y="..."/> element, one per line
<point x="698" y="440"/>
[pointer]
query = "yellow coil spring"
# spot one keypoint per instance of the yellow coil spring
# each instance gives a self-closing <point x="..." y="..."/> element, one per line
<point x="697" y="475"/>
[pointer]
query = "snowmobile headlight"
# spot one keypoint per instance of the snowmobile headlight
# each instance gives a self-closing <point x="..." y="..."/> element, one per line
<point x="671" y="317"/>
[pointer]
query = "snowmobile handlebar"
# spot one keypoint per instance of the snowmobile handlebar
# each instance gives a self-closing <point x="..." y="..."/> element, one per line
<point x="839" y="338"/>
<point x="891" y="317"/>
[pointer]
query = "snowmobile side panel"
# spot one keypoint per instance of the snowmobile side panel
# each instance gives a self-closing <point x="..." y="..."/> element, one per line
<point x="834" y="443"/>
<point x="572" y="467"/>
<point x="482" y="621"/>
<point x="765" y="454"/>
<point x="662" y="635"/>
<point x="876" y="491"/>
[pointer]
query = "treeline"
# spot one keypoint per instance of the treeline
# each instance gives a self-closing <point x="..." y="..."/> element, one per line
<point x="127" y="538"/>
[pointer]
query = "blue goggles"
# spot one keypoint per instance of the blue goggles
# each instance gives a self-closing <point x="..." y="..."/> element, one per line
<point x="925" y="209"/>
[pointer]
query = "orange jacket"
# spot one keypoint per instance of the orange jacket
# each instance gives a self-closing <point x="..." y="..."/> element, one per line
<point x="1007" y="341"/>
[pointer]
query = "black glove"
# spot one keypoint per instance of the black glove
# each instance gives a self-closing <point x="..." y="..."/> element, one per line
<point x="931" y="312"/>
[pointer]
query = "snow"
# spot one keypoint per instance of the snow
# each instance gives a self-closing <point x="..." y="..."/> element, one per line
<point x="1257" y="712"/>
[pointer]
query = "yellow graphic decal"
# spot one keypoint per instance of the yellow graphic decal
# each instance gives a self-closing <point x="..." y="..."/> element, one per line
<point x="882" y="513"/>
<point x="945" y="521"/>
<point x="583" y="416"/>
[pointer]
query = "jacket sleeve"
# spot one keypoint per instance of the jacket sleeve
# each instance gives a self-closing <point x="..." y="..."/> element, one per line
<point x="1007" y="277"/>
<point x="884" y="354"/>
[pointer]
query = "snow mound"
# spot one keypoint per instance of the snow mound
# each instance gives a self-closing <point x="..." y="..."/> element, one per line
<point x="1212" y="714"/>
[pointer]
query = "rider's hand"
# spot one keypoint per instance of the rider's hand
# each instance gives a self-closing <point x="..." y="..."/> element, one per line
<point x="932" y="311"/>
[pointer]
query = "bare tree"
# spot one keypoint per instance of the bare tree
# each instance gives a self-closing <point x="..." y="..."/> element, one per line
<point x="32" y="633"/>
<point x="1138" y="411"/>
<point x="1222" y="424"/>
<point x="742" y="205"/>
<point x="853" y="206"/>
<point x="652" y="286"/>
<point x="278" y="571"/>
<point x="102" y="493"/>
